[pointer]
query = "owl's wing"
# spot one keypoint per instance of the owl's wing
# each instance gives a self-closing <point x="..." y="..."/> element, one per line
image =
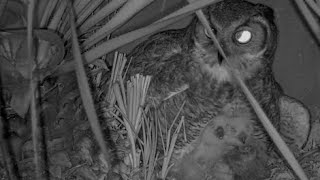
<point x="157" y="52"/>
<point x="163" y="56"/>
<point x="295" y="121"/>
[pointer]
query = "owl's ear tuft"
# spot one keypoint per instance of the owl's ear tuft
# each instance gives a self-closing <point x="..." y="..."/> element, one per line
<point x="266" y="11"/>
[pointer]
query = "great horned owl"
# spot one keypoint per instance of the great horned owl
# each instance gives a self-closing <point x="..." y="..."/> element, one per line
<point x="187" y="68"/>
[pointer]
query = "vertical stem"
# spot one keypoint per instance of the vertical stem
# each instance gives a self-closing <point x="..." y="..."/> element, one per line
<point x="33" y="85"/>
<point x="84" y="88"/>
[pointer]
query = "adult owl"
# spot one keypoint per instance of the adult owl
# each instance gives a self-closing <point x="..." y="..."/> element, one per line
<point x="187" y="69"/>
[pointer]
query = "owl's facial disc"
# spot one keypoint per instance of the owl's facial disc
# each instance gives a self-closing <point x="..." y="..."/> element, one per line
<point x="243" y="37"/>
<point x="208" y="56"/>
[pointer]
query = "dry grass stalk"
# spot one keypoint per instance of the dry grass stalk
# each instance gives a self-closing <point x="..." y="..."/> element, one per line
<point x="33" y="87"/>
<point x="275" y="136"/>
<point x="150" y="154"/>
<point x="138" y="90"/>
<point x="169" y="142"/>
<point x="130" y="101"/>
<point x="85" y="91"/>
<point x="130" y="98"/>
<point x="119" y="62"/>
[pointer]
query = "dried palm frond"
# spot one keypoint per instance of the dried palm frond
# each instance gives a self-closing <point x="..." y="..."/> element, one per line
<point x="84" y="15"/>
<point x="124" y="14"/>
<point x="48" y="13"/>
<point x="80" y="6"/>
<point x="104" y="12"/>
<point x="309" y="17"/>
<point x="114" y="43"/>
<point x="315" y="6"/>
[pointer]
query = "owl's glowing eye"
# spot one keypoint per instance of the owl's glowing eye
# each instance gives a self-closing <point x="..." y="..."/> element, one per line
<point x="243" y="37"/>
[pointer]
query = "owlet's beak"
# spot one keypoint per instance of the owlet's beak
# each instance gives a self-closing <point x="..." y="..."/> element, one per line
<point x="220" y="58"/>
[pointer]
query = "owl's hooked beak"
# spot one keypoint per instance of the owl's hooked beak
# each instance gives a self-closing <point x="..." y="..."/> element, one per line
<point x="220" y="58"/>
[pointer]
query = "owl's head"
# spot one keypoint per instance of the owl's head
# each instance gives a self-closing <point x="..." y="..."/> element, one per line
<point x="247" y="34"/>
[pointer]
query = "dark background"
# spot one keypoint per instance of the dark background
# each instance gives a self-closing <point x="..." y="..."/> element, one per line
<point x="297" y="60"/>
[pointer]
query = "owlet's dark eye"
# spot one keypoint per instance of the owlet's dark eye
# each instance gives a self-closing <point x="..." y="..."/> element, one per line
<point x="243" y="36"/>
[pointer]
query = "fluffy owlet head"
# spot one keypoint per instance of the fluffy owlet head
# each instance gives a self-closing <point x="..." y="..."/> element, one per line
<point x="247" y="34"/>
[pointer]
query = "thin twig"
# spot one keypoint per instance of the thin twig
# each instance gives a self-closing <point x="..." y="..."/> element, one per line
<point x="33" y="88"/>
<point x="85" y="90"/>
<point x="149" y="147"/>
